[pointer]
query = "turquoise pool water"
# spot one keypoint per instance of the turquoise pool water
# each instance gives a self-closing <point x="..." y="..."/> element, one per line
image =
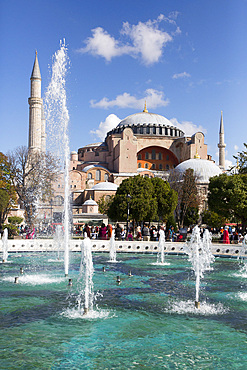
<point x="147" y="322"/>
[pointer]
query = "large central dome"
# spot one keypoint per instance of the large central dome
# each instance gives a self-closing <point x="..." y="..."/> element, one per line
<point x="148" y="124"/>
<point x="145" y="118"/>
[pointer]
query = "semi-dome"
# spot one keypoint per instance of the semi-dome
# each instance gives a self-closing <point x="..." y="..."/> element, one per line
<point x="203" y="169"/>
<point x="105" y="186"/>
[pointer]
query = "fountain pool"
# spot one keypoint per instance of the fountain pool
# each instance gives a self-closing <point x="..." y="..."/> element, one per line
<point x="148" y="321"/>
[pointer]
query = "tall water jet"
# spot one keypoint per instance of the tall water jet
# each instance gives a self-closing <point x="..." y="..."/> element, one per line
<point x="5" y="245"/>
<point x="58" y="240"/>
<point x="57" y="117"/>
<point x="86" y="277"/>
<point x="113" y="253"/>
<point x="200" y="256"/>
<point x="161" y="247"/>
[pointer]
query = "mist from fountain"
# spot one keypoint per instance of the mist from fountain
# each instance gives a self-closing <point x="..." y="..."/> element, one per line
<point x="5" y="245"/>
<point x="200" y="256"/>
<point x="57" y="117"/>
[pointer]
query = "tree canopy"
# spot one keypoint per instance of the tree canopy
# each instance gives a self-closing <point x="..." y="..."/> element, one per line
<point x="150" y="199"/>
<point x="228" y="196"/>
<point x="241" y="161"/>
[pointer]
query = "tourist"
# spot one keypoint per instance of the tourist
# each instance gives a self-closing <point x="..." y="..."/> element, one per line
<point x="138" y="233"/>
<point x="86" y="231"/>
<point x="146" y="233"/>
<point x="103" y="232"/>
<point x="109" y="231"/>
<point x="130" y="235"/>
<point x="118" y="231"/>
<point x="226" y="239"/>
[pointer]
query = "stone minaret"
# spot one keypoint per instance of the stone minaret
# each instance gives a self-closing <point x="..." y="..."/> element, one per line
<point x="36" y="142"/>
<point x="221" y="144"/>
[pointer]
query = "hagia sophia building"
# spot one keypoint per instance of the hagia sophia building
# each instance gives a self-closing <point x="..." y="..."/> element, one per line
<point x="144" y="143"/>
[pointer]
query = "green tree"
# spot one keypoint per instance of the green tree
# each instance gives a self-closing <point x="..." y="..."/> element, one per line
<point x="104" y="203"/>
<point x="212" y="219"/>
<point x="8" y="197"/>
<point x="166" y="198"/>
<point x="241" y="159"/>
<point x="228" y="196"/>
<point x="142" y="204"/>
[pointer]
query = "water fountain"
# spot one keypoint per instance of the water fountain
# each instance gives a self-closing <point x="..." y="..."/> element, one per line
<point x="58" y="240"/>
<point x="86" y="277"/>
<point x="113" y="253"/>
<point x="57" y="117"/>
<point x="5" y="245"/>
<point x="200" y="256"/>
<point x="161" y="247"/>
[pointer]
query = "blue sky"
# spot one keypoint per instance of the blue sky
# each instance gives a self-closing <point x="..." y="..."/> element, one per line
<point x="186" y="58"/>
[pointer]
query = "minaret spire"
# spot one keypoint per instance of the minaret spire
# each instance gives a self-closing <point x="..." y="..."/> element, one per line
<point x="221" y="144"/>
<point x="36" y="142"/>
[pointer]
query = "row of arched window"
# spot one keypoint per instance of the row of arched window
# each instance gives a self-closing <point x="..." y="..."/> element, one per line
<point x="152" y="155"/>
<point x="98" y="176"/>
<point x="153" y="167"/>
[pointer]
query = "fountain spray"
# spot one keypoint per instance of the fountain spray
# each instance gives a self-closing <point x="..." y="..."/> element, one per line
<point x="161" y="247"/>
<point x="57" y="117"/>
<point x="200" y="256"/>
<point x="5" y="245"/>
<point x="113" y="254"/>
<point x="86" y="276"/>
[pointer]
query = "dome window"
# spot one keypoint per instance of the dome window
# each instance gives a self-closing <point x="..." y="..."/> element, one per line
<point x="160" y="130"/>
<point x="106" y="177"/>
<point x="154" y="130"/>
<point x="160" y="156"/>
<point x="153" y="154"/>
<point x="148" y="130"/>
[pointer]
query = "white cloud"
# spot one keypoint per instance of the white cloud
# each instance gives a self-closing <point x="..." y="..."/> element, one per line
<point x="110" y="122"/>
<point x="187" y="127"/>
<point x="146" y="40"/>
<point x="228" y="164"/>
<point x="153" y="98"/>
<point x="181" y="75"/>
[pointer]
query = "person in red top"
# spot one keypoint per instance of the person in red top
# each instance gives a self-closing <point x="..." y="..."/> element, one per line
<point x="226" y="239"/>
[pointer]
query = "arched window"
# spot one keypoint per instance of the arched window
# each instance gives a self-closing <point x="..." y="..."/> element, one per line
<point x="148" y="130"/>
<point x="160" y="156"/>
<point x="139" y="156"/>
<point x="89" y="176"/>
<point x="167" y="167"/>
<point x="146" y="155"/>
<point x="154" y="130"/>
<point x="139" y="165"/>
<point x="153" y="154"/>
<point x="160" y="167"/>
<point x="106" y="177"/>
<point x="146" y="165"/>
<point x="160" y="130"/>
<point x="153" y="166"/>
<point x="98" y="175"/>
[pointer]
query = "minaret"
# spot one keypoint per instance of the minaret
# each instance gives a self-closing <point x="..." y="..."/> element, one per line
<point x="221" y="145"/>
<point x="35" y="110"/>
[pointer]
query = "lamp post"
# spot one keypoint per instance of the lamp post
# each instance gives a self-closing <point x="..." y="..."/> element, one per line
<point x="128" y="211"/>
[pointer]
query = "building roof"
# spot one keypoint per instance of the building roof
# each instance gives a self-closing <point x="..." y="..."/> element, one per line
<point x="105" y="186"/>
<point x="90" y="166"/>
<point x="145" y="118"/>
<point x="203" y="169"/>
<point x="90" y="202"/>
